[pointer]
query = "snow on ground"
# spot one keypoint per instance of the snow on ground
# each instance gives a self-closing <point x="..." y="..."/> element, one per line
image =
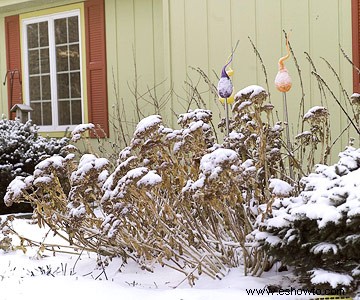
<point x="73" y="276"/>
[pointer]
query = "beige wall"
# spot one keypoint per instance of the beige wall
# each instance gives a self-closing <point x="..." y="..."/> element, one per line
<point x="169" y="36"/>
<point x="134" y="34"/>
<point x="203" y="32"/>
<point x="166" y="37"/>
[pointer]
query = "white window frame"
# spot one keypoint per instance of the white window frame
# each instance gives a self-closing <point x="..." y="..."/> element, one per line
<point x="50" y="18"/>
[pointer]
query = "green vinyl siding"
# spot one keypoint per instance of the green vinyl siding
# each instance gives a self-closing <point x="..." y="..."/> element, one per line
<point x="165" y="38"/>
<point x="202" y="34"/>
<point x="134" y="33"/>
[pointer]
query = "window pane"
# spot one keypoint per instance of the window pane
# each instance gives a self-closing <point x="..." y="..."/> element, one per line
<point x="32" y="35"/>
<point x="46" y="106"/>
<point x="74" y="53"/>
<point x="36" y="113"/>
<point x="76" y="111"/>
<point x="34" y="86"/>
<point x="34" y="62"/>
<point x="64" y="112"/>
<point x="43" y="30"/>
<point x="75" y="85"/>
<point x="46" y="88"/>
<point x="63" y="86"/>
<point x="44" y="59"/>
<point x="73" y="29"/>
<point x="62" y="63"/>
<point x="64" y="68"/>
<point x="60" y="31"/>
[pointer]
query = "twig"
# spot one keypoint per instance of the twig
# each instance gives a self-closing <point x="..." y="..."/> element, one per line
<point x="262" y="66"/>
<point x="336" y="99"/>
<point x="349" y="60"/>
<point x="190" y="273"/>
<point x="339" y="81"/>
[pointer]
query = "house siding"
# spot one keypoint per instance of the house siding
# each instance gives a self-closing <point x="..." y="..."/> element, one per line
<point x="205" y="40"/>
<point x="167" y="37"/>
<point x="135" y="52"/>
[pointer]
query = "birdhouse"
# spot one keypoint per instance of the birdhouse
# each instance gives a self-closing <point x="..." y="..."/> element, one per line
<point x="22" y="112"/>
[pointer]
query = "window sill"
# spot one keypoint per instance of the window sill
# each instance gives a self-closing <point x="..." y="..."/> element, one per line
<point x="60" y="131"/>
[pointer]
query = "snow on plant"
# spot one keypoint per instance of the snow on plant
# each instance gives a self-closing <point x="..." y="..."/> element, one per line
<point x="318" y="135"/>
<point x="21" y="148"/>
<point x="258" y="143"/>
<point x="173" y="196"/>
<point x="148" y="206"/>
<point x="78" y="131"/>
<point x="64" y="193"/>
<point x="321" y="225"/>
<point x="5" y="238"/>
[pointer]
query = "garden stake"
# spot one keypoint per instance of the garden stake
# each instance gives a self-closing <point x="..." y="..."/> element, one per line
<point x="226" y="89"/>
<point x="288" y="144"/>
<point x="227" y="116"/>
<point x="283" y="84"/>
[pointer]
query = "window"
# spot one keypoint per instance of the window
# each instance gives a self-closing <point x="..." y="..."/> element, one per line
<point x="52" y="66"/>
<point x="47" y="71"/>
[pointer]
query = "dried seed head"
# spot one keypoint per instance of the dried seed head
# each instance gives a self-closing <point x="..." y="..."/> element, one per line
<point x="316" y="114"/>
<point x="147" y="126"/>
<point x="249" y="95"/>
<point x="268" y="107"/>
<point x="195" y="115"/>
<point x="355" y="99"/>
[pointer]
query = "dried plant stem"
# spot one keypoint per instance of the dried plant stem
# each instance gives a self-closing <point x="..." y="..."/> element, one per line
<point x="119" y="120"/>
<point x="344" y="92"/>
<point x="319" y="83"/>
<point x="195" y="96"/>
<point x="135" y="92"/>
<point x="337" y="100"/>
<point x="349" y="60"/>
<point x="262" y="66"/>
<point x="340" y="134"/>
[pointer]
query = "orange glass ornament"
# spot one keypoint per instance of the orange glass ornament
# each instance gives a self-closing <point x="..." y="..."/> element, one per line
<point x="283" y="80"/>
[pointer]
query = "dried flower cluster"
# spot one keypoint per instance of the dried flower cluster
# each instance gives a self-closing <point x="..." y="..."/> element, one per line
<point x="173" y="196"/>
<point x="317" y="135"/>
<point x="258" y="144"/>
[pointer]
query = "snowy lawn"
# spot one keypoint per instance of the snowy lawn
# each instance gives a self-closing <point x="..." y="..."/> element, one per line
<point x="70" y="276"/>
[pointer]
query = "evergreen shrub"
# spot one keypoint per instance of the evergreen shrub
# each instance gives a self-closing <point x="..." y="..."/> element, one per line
<point x="21" y="149"/>
<point x="317" y="232"/>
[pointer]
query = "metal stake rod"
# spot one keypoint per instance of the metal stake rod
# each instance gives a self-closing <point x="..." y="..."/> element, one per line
<point x="288" y="144"/>
<point x="227" y="117"/>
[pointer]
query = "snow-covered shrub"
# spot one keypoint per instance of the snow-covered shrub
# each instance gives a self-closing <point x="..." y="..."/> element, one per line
<point x="318" y="232"/>
<point x="21" y="148"/>
<point x="165" y="198"/>
<point x="175" y="197"/>
<point x="257" y="142"/>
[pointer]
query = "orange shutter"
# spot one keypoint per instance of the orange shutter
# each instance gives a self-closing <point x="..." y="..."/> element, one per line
<point x="355" y="7"/>
<point x="13" y="61"/>
<point x="96" y="64"/>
